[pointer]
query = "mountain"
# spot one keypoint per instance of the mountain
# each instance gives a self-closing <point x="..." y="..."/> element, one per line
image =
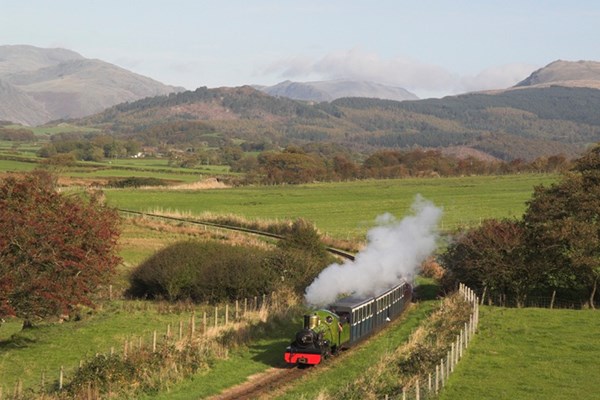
<point x="18" y="106"/>
<point x="514" y="124"/>
<point x="331" y="90"/>
<point x="40" y="85"/>
<point x="565" y="73"/>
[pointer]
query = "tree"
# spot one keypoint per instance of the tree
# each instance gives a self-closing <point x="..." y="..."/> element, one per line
<point x="563" y="225"/>
<point x="54" y="249"/>
<point x="299" y="257"/>
<point x="490" y="258"/>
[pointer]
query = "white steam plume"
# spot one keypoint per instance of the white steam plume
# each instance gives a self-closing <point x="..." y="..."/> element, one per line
<point x="395" y="249"/>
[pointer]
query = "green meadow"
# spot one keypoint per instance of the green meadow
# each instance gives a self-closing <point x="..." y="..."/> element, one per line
<point x="349" y="209"/>
<point x="530" y="354"/>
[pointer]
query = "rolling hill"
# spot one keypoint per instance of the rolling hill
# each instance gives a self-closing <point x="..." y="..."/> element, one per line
<point x="525" y="123"/>
<point x="40" y="85"/>
<point x="565" y="73"/>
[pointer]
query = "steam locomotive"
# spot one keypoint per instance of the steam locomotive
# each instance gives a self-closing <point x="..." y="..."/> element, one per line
<point x="345" y="322"/>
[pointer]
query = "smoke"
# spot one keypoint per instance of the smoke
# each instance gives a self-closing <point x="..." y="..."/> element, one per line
<point x="395" y="249"/>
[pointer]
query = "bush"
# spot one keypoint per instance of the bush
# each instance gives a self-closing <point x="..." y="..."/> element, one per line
<point x="136" y="181"/>
<point x="203" y="271"/>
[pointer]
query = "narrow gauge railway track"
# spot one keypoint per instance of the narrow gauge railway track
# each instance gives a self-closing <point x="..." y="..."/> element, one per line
<point x="339" y="252"/>
<point x="263" y="384"/>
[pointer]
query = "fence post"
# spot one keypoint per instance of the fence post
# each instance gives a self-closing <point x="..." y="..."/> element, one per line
<point x="442" y="372"/>
<point x="216" y="317"/>
<point x="429" y="383"/>
<point x="237" y="309"/>
<point x="192" y="324"/>
<point x="552" y="300"/>
<point x="154" y="342"/>
<point x="245" y="306"/>
<point x="180" y="329"/>
<point x="451" y="357"/>
<point x="204" y="323"/>
<point x="437" y="378"/>
<point x="226" y="314"/>
<point x="417" y="390"/>
<point x="61" y="377"/>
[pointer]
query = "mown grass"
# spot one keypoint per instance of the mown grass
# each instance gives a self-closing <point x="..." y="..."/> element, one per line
<point x="530" y="354"/>
<point x="348" y="209"/>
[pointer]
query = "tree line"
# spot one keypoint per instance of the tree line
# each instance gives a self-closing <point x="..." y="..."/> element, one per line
<point x="295" y="165"/>
<point x="554" y="247"/>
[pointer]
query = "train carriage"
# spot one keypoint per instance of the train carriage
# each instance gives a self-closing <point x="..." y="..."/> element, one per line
<point x="345" y="322"/>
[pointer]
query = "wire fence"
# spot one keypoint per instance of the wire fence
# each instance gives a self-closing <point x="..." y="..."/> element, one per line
<point x="428" y="388"/>
<point x="551" y="301"/>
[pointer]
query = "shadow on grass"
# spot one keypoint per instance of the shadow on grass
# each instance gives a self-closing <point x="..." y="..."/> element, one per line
<point x="427" y="291"/>
<point x="16" y="341"/>
<point x="271" y="353"/>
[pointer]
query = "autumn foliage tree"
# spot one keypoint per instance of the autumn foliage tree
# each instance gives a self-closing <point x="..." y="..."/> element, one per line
<point x="490" y="258"/>
<point x="54" y="249"/>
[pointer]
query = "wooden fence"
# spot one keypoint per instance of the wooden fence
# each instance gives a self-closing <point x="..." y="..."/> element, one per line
<point x="208" y="324"/>
<point x="428" y="388"/>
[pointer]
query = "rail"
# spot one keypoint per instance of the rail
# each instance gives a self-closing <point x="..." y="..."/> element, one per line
<point x="339" y="252"/>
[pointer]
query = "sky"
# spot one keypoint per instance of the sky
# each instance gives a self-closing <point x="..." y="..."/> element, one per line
<point x="431" y="48"/>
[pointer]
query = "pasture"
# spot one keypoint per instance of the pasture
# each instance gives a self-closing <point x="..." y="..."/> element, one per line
<point x="347" y="210"/>
<point x="530" y="354"/>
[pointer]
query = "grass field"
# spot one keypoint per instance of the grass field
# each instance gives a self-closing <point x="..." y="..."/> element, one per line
<point x="17" y="166"/>
<point x="121" y="168"/>
<point x="348" y="209"/>
<point x="530" y="354"/>
<point x="46" y="348"/>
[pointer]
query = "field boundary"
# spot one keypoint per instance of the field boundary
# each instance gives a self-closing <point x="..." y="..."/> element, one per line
<point x="435" y="381"/>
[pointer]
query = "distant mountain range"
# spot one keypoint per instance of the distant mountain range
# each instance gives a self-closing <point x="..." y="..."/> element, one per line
<point x="39" y="85"/>
<point x="554" y="110"/>
<point x="336" y="89"/>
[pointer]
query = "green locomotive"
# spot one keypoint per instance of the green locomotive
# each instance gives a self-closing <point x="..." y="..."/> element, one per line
<point x="345" y="322"/>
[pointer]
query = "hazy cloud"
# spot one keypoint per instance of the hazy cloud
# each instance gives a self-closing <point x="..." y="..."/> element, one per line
<point x="420" y="78"/>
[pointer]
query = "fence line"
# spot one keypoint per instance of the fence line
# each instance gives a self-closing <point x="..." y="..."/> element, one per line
<point x="187" y="331"/>
<point x="423" y="389"/>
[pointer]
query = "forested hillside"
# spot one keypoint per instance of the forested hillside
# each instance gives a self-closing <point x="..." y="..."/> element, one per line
<point x="516" y="124"/>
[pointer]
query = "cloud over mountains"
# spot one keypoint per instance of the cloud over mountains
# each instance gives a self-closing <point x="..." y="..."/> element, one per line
<point x="421" y="78"/>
